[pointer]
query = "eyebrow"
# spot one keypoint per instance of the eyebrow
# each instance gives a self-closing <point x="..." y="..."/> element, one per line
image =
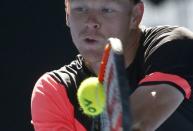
<point x="106" y="0"/>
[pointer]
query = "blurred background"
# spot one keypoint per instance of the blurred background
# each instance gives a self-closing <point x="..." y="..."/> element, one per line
<point x="34" y="40"/>
<point x="168" y="12"/>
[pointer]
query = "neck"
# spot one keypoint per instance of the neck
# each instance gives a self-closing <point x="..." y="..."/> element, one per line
<point x="131" y="47"/>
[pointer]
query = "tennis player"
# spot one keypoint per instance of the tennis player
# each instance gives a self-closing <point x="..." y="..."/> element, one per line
<point x="158" y="61"/>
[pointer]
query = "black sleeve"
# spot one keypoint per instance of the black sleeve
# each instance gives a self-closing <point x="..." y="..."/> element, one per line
<point x="169" y="59"/>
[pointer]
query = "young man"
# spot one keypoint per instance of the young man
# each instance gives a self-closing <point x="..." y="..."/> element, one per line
<point x="158" y="63"/>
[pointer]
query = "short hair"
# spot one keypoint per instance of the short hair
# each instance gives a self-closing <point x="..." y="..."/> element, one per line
<point x="136" y="1"/>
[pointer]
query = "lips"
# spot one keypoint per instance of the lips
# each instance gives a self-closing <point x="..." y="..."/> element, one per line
<point x="90" y="40"/>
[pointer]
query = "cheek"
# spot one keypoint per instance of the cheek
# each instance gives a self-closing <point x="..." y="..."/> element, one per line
<point x="118" y="29"/>
<point x="74" y="23"/>
<point x="75" y="27"/>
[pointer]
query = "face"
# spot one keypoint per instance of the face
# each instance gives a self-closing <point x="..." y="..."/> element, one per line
<point x="92" y="22"/>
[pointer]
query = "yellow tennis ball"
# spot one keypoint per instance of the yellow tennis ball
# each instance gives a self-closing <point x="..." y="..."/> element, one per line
<point x="91" y="96"/>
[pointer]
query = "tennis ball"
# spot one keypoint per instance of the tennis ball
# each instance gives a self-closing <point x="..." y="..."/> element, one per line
<point x="91" y="96"/>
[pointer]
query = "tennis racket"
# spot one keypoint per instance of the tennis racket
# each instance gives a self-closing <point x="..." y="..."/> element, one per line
<point x="112" y="74"/>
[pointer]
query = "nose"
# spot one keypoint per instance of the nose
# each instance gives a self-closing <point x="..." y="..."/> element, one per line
<point x="93" y="22"/>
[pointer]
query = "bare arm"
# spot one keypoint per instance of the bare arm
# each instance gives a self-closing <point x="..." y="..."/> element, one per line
<point x="152" y="105"/>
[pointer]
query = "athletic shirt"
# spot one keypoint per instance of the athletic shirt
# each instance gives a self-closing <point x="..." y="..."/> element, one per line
<point x="165" y="55"/>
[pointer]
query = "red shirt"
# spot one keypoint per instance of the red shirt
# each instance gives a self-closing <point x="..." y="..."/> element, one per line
<point x="51" y="108"/>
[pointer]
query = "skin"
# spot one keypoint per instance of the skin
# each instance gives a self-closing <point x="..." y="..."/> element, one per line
<point x="91" y="23"/>
<point x="89" y="20"/>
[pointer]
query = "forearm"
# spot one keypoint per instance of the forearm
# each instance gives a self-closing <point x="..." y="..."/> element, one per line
<point x="152" y="105"/>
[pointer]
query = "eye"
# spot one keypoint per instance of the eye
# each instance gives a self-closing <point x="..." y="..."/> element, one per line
<point x="107" y="10"/>
<point x="81" y="9"/>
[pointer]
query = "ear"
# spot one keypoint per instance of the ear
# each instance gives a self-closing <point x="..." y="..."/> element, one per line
<point x="137" y="14"/>
<point x="67" y="21"/>
<point x="67" y="10"/>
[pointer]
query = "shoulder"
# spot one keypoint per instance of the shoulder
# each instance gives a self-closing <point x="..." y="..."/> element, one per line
<point x="51" y="91"/>
<point x="178" y="30"/>
<point x="45" y="82"/>
<point x="61" y="83"/>
<point x="48" y="95"/>
<point x="71" y="74"/>
<point x="60" y="77"/>
<point x="54" y="94"/>
<point x="50" y="105"/>
<point x="166" y="33"/>
<point x="166" y="38"/>
<point x="46" y="89"/>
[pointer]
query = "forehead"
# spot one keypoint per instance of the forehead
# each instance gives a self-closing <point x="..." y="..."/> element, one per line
<point x="104" y="1"/>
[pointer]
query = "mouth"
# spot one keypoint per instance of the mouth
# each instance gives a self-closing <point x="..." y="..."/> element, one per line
<point x="90" y="41"/>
